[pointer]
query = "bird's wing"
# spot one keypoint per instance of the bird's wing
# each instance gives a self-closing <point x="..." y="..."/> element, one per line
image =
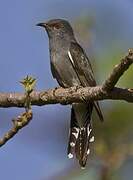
<point x="56" y="75"/>
<point x="83" y="69"/>
<point x="81" y="65"/>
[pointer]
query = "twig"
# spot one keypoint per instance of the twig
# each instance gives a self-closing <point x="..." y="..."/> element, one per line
<point x="118" y="71"/>
<point x="18" y="123"/>
<point x="23" y="119"/>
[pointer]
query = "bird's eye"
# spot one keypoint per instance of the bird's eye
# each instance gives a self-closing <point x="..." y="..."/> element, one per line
<point x="56" y="26"/>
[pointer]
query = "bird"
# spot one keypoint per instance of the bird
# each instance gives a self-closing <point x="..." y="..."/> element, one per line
<point x="70" y="66"/>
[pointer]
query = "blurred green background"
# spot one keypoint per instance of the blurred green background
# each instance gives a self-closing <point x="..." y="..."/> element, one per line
<point x="39" y="151"/>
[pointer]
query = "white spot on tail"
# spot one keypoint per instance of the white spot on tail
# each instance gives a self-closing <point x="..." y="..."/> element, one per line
<point x="82" y="167"/>
<point x="77" y="129"/>
<point x="89" y="131"/>
<point x="72" y="144"/>
<point x="82" y="128"/>
<point x="70" y="155"/>
<point x="69" y="54"/>
<point x="88" y="151"/>
<point x="92" y="139"/>
<point x="75" y="135"/>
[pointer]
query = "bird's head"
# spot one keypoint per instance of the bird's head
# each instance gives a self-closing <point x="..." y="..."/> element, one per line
<point x="57" y="27"/>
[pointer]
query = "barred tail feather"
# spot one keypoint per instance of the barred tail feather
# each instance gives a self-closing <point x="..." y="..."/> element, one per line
<point x="79" y="140"/>
<point x="73" y="135"/>
<point x="74" y="132"/>
<point x="82" y="149"/>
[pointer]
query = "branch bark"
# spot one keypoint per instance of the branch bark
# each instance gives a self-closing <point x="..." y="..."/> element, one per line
<point x="66" y="96"/>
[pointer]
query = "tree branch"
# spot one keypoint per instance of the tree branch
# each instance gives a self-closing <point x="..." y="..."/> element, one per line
<point x="65" y="96"/>
<point x="76" y="94"/>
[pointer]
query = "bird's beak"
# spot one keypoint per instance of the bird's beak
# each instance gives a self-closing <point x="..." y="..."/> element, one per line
<point x="42" y="24"/>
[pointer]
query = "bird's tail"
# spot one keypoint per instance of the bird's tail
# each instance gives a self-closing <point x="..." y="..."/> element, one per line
<point x="80" y="134"/>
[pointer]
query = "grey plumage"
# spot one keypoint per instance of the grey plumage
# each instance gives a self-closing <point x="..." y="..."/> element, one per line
<point x="71" y="67"/>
